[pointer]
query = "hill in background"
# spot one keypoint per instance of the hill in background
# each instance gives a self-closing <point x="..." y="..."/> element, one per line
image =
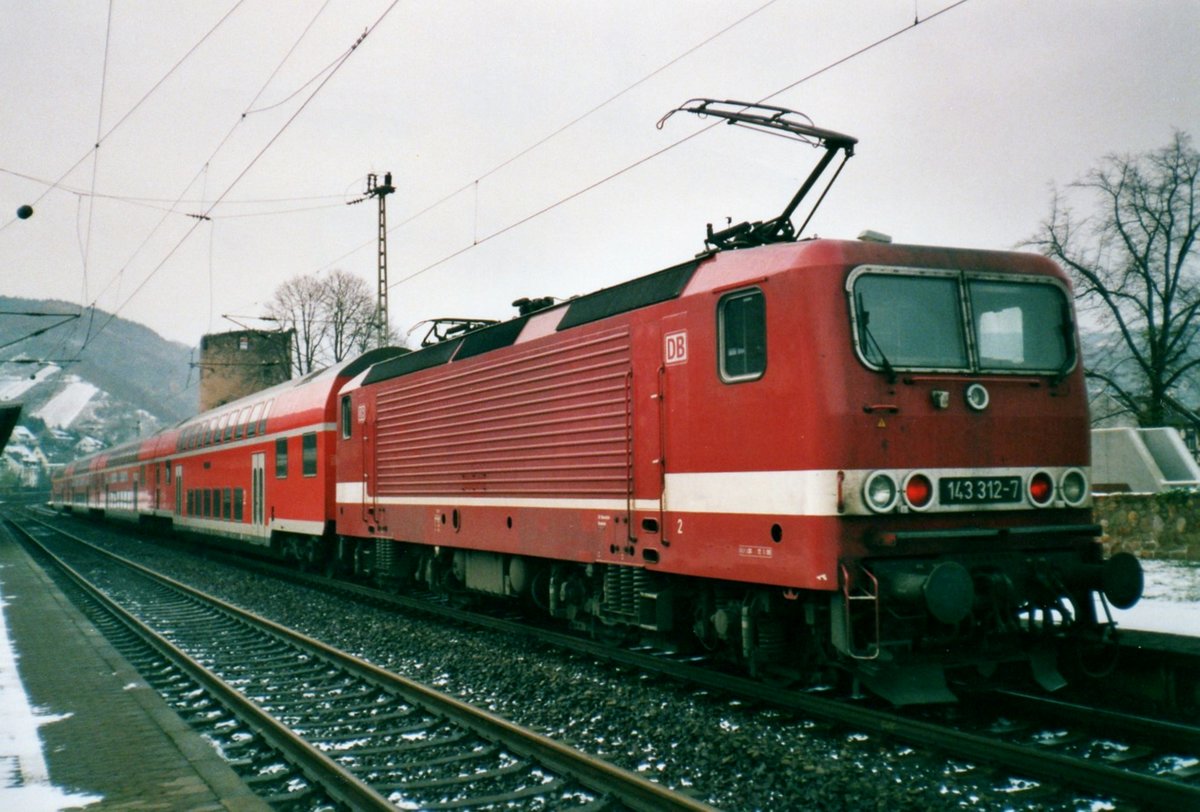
<point x="122" y="382"/>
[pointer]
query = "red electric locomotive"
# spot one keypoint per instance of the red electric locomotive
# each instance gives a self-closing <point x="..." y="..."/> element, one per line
<point x="866" y="452"/>
<point x="795" y="454"/>
<point x="852" y="452"/>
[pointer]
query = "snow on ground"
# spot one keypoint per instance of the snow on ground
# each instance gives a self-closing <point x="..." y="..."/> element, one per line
<point x="1170" y="602"/>
<point x="24" y="779"/>
<point x="12" y="388"/>
<point x="62" y="409"/>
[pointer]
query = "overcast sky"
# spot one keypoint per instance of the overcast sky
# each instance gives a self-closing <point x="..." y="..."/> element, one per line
<point x="964" y="121"/>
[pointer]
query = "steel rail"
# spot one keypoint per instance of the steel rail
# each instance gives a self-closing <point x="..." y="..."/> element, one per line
<point x="1034" y="762"/>
<point x="332" y="777"/>
<point x="596" y="774"/>
<point x="1099" y="719"/>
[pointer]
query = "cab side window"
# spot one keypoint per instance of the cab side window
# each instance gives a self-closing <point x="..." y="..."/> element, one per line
<point x="742" y="335"/>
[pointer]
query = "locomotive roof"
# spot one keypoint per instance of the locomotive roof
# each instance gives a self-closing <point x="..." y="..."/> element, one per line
<point x="721" y="269"/>
<point x="643" y="291"/>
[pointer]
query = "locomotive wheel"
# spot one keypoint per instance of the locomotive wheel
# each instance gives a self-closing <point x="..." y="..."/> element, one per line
<point x="702" y="626"/>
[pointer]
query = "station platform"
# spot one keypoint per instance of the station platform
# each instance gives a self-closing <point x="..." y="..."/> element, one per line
<point x="107" y="740"/>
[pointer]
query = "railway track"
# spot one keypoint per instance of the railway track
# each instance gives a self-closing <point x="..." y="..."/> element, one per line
<point x="368" y="738"/>
<point x="1150" y="761"/>
<point x="1133" y="759"/>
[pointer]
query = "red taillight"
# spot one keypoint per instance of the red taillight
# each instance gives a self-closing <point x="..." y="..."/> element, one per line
<point x="918" y="490"/>
<point x="1041" y="489"/>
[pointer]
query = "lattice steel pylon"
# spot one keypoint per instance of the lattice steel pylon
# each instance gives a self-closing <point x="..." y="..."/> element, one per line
<point x="381" y="191"/>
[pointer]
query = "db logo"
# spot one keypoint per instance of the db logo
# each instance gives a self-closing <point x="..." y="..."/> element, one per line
<point x="675" y="347"/>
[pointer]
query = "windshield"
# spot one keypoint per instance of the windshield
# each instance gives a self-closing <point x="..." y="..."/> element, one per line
<point x="919" y="320"/>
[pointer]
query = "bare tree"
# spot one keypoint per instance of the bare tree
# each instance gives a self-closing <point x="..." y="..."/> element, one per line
<point x="333" y="316"/>
<point x="299" y="304"/>
<point x="351" y="314"/>
<point x="1134" y="265"/>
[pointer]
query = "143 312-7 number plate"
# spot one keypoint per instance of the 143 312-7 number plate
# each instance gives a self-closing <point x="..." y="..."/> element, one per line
<point x="979" y="490"/>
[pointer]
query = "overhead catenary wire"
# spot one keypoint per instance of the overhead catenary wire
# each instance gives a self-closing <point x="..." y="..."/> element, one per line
<point x="258" y="156"/>
<point x="153" y="202"/>
<point x="202" y="173"/>
<point x="84" y="232"/>
<point x="474" y="184"/>
<point x="103" y="135"/>
<point x="108" y="133"/>
<point x="87" y="243"/>
<point x="478" y="239"/>
<point x="634" y="165"/>
<point x="206" y="215"/>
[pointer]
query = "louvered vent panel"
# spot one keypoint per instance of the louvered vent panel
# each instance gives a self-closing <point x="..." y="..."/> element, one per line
<point x="548" y="422"/>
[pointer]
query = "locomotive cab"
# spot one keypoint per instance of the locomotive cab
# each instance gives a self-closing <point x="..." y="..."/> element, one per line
<point x="969" y="525"/>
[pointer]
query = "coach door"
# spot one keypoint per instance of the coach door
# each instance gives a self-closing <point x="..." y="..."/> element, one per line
<point x="258" y="484"/>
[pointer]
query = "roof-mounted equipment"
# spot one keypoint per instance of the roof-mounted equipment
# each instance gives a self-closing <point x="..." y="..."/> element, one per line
<point x="531" y="304"/>
<point x="788" y="124"/>
<point x="445" y="329"/>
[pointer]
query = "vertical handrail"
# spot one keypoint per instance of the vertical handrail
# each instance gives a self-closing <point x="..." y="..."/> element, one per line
<point x="872" y="648"/>
<point x="630" y="531"/>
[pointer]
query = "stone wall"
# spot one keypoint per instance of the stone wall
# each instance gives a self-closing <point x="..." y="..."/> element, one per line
<point x="1165" y="525"/>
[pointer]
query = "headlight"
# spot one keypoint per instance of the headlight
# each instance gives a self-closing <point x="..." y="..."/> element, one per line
<point x="1074" y="487"/>
<point x="880" y="492"/>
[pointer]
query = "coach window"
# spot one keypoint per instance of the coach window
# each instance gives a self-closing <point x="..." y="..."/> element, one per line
<point x="221" y="425"/>
<point x="347" y="421"/>
<point x="281" y="458"/>
<point x="262" y="423"/>
<point x="227" y="504"/>
<point x="252" y="429"/>
<point x="228" y="421"/>
<point x="242" y="419"/>
<point x="308" y="453"/>
<point x="742" y="335"/>
<point x="238" y="501"/>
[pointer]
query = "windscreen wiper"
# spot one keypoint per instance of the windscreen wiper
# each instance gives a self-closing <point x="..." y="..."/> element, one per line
<point x="864" y="321"/>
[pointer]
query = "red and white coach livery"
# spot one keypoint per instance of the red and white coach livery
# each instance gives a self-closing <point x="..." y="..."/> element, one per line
<point x="258" y="469"/>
